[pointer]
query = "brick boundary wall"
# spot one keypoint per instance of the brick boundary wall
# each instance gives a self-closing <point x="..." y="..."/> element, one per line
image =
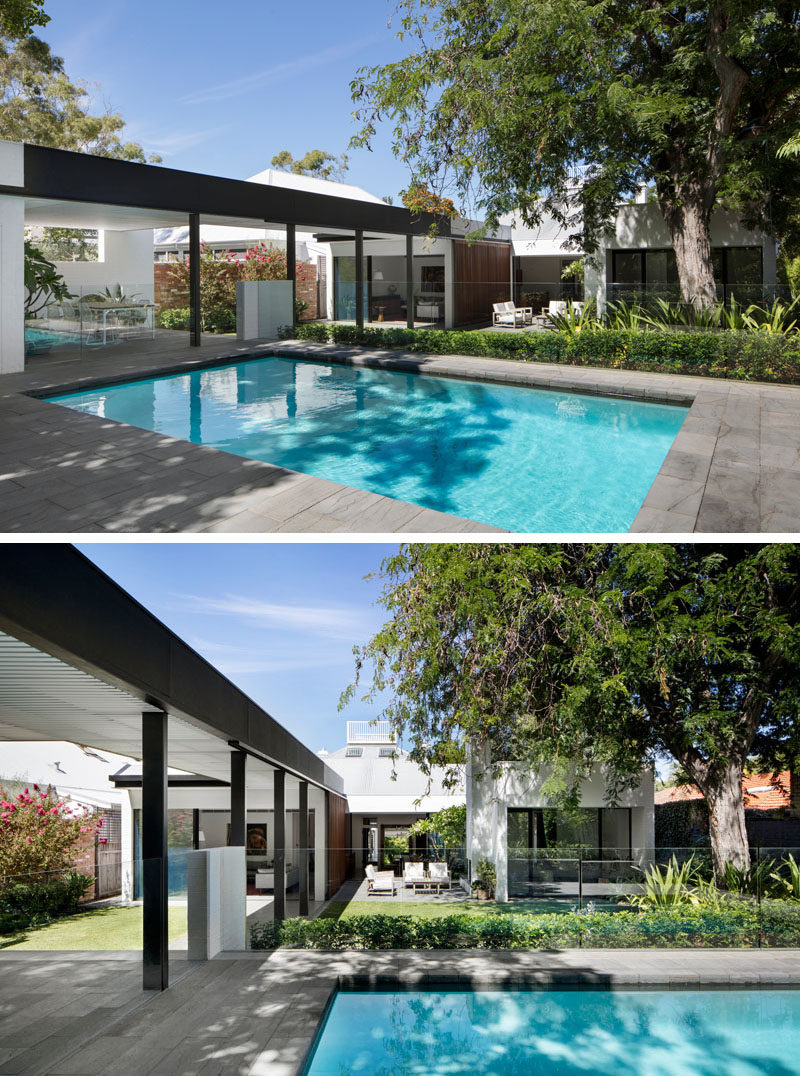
<point x="170" y="296"/>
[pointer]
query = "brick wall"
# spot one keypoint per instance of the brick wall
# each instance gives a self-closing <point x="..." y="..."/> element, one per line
<point x="170" y="296"/>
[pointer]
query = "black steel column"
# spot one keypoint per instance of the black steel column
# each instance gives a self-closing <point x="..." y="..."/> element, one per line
<point x="279" y="815"/>
<point x="195" y="828"/>
<point x="195" y="313"/>
<point x="359" y="278"/>
<point x="410" y="281"/>
<point x="155" y="951"/>
<point x="238" y="809"/>
<point x="327" y="824"/>
<point x="291" y="265"/>
<point x="303" y="836"/>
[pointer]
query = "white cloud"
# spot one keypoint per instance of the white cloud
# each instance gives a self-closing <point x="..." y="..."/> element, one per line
<point x="276" y="72"/>
<point x="232" y="659"/>
<point x="332" y="621"/>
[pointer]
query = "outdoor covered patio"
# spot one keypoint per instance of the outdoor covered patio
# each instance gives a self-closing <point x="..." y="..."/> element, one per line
<point x="80" y="660"/>
<point x="56" y="188"/>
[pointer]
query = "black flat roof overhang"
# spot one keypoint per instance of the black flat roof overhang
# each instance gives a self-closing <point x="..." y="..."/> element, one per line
<point x="55" y="599"/>
<point x="62" y="175"/>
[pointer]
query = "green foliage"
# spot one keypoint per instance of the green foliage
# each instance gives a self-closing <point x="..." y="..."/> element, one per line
<point x="734" y="355"/>
<point x="786" y="879"/>
<point x="25" y="903"/>
<point x="605" y="655"/>
<point x="18" y="17"/>
<point x="645" y="93"/>
<point x="755" y="879"/>
<point x="314" y="163"/>
<point x="668" y="886"/>
<point x="114" y="295"/>
<point x="219" y="319"/>
<point x="485" y="876"/>
<point x="178" y="318"/>
<point x="43" y="283"/>
<point x="732" y="924"/>
<point x="39" y="104"/>
<point x="68" y="244"/>
<point x="681" y="824"/>
<point x="450" y="824"/>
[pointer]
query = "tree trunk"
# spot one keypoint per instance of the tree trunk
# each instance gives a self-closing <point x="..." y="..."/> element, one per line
<point x="723" y="790"/>
<point x="689" y="222"/>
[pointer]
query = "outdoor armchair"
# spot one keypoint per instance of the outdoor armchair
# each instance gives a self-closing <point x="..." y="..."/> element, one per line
<point x="379" y="881"/>
<point x="511" y="314"/>
<point x="440" y="873"/>
<point x="414" y="874"/>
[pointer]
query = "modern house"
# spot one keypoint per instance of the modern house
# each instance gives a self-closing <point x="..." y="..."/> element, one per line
<point x="512" y="822"/>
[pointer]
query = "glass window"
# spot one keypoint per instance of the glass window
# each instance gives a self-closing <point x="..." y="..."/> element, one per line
<point x="661" y="267"/>
<point x="744" y="265"/>
<point x="627" y="267"/>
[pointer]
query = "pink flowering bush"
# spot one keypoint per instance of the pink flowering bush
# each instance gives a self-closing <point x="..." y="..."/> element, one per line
<point x="219" y="273"/>
<point x="39" y="832"/>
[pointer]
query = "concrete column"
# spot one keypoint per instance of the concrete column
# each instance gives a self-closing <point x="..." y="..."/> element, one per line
<point x="319" y="801"/>
<point x="279" y="816"/>
<point x="303" y="838"/>
<point x="155" y="950"/>
<point x="595" y="277"/>
<point x="12" y="287"/>
<point x="449" y="284"/>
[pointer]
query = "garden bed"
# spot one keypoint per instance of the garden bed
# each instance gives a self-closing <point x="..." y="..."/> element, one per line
<point x="743" y="356"/>
<point x="744" y="924"/>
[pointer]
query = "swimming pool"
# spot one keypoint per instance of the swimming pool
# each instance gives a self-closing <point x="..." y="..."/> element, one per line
<point x="559" y="1033"/>
<point x="522" y="459"/>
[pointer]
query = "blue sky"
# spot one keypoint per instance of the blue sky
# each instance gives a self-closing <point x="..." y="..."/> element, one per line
<point x="221" y="88"/>
<point x="280" y="620"/>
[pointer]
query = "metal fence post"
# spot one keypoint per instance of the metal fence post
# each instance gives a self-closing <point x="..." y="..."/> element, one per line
<point x="758" y="893"/>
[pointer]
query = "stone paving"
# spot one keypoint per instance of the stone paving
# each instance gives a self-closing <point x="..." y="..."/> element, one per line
<point x="256" y="1013"/>
<point x="733" y="468"/>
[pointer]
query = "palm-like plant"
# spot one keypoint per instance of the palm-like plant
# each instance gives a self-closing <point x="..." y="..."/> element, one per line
<point x="787" y="884"/>
<point x="574" y="320"/>
<point x="669" y="886"/>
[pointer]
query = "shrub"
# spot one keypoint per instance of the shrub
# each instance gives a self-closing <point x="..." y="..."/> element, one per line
<point x="747" y="356"/>
<point x="174" y="319"/>
<point x="38" y="832"/>
<point x="219" y="319"/>
<point x="25" y="903"/>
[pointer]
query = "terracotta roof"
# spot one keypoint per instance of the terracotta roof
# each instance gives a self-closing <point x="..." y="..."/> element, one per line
<point x="761" y="792"/>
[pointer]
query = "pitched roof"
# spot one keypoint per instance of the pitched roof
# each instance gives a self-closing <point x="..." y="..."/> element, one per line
<point x="761" y="792"/>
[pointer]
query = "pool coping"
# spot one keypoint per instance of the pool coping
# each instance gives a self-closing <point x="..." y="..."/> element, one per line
<point x="323" y="976"/>
<point x="734" y="466"/>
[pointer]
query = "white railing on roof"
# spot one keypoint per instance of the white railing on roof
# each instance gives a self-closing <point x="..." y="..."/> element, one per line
<point x="369" y="732"/>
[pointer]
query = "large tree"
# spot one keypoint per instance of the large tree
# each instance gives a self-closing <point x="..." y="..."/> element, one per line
<point x="512" y="97"/>
<point x="41" y="105"/>
<point x="314" y="163"/>
<point x="573" y="656"/>
<point x="18" y="17"/>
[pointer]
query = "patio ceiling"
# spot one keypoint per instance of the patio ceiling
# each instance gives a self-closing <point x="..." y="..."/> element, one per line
<point x="80" y="660"/>
<point x="43" y="698"/>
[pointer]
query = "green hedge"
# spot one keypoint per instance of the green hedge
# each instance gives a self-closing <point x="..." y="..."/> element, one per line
<point x="25" y="903"/>
<point x="218" y="319"/>
<point x="747" y="356"/>
<point x="742" y="924"/>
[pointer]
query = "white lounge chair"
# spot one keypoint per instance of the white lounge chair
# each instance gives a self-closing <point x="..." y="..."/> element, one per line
<point x="439" y="874"/>
<point x="414" y="875"/>
<point x="511" y="314"/>
<point x="379" y="882"/>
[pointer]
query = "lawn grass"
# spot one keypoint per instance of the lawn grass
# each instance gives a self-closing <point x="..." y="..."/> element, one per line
<point x="420" y="909"/>
<point x="96" y="928"/>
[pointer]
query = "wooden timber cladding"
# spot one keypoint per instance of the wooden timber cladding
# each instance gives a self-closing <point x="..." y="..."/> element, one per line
<point x="337" y="842"/>
<point x="482" y="276"/>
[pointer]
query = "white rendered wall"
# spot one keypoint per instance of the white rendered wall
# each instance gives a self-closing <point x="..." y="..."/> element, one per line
<point x="12" y="261"/>
<point x="217" y="902"/>
<point x="488" y="801"/>
<point x="262" y="308"/>
<point x="126" y="845"/>
<point x="126" y="258"/>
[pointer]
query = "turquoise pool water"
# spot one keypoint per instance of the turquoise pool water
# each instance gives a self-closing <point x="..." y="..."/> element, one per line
<point x="521" y="459"/>
<point x="560" y="1033"/>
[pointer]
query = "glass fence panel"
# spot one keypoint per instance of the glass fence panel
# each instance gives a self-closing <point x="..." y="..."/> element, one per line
<point x="93" y="317"/>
